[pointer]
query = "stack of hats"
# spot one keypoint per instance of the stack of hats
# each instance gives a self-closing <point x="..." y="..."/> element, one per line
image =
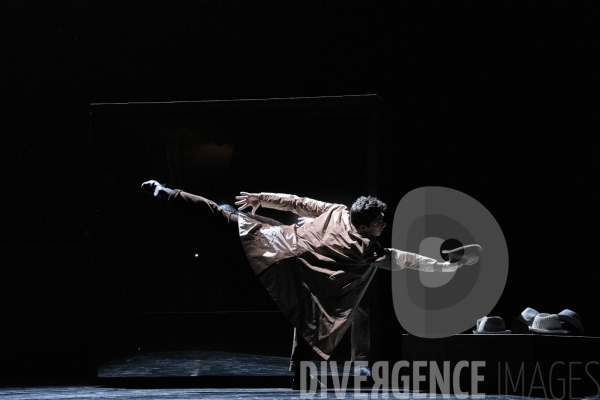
<point x="531" y="321"/>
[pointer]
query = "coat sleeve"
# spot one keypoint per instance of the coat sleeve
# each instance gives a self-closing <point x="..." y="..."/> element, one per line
<point x="302" y="206"/>
<point x="396" y="260"/>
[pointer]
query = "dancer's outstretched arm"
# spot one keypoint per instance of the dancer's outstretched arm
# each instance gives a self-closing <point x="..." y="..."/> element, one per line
<point x="303" y="206"/>
<point x="395" y="259"/>
<point x="189" y="202"/>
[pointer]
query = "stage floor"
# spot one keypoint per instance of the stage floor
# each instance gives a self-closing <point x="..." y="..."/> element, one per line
<point x="190" y="374"/>
<point x="96" y="392"/>
<point x="195" y="363"/>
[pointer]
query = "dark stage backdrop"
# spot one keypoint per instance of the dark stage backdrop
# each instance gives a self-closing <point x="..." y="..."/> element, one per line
<point x="498" y="100"/>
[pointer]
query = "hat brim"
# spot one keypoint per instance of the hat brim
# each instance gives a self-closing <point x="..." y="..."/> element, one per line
<point x="555" y="331"/>
<point x="491" y="333"/>
<point x="567" y="318"/>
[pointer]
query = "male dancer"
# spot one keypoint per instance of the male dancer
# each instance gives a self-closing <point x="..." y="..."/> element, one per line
<point x="317" y="273"/>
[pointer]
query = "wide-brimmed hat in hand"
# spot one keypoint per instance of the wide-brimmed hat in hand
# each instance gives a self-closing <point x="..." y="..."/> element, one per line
<point x="490" y="325"/>
<point x="547" y="323"/>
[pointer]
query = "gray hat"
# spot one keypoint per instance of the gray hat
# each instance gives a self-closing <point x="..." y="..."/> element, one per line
<point x="571" y="317"/>
<point x="547" y="323"/>
<point x="490" y="325"/>
<point x="527" y="316"/>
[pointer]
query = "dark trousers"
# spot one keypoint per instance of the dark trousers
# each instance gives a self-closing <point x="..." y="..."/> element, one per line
<point x="204" y="207"/>
<point x="360" y="340"/>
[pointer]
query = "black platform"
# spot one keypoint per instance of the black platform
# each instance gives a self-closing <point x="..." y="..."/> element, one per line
<point x="523" y="365"/>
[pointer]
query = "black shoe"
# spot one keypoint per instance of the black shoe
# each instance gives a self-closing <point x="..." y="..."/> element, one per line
<point x="465" y="255"/>
<point x="296" y="383"/>
<point x="362" y="370"/>
<point x="156" y="189"/>
<point x="231" y="209"/>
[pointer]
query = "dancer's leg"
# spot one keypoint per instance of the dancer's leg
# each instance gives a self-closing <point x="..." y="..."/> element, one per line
<point x="190" y="202"/>
<point x="301" y="351"/>
<point x="201" y="205"/>
<point x="360" y="337"/>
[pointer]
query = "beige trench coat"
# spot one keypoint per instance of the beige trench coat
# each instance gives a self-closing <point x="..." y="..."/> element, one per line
<point x="317" y="273"/>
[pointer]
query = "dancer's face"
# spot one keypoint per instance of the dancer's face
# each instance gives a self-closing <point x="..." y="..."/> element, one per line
<point x="375" y="227"/>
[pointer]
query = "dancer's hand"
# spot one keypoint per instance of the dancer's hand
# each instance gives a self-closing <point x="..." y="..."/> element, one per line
<point x="304" y="220"/>
<point x="248" y="200"/>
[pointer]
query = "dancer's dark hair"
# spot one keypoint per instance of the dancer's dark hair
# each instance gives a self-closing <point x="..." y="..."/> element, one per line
<point x="365" y="210"/>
